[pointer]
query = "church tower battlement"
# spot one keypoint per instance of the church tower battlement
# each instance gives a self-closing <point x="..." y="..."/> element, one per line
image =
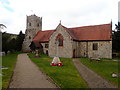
<point x="33" y="25"/>
<point x="34" y="22"/>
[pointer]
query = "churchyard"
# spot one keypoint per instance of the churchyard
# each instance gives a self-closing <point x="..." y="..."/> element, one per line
<point x="65" y="76"/>
<point x="105" y="68"/>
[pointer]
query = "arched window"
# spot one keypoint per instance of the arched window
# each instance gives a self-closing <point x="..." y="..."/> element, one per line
<point x="60" y="39"/>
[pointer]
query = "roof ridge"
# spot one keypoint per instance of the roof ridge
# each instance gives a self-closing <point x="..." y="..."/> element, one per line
<point x="89" y="26"/>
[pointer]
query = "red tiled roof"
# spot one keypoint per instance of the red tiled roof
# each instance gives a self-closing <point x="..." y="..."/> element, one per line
<point x="43" y="35"/>
<point x="96" y="32"/>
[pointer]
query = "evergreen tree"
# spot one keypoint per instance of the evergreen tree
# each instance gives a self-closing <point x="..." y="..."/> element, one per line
<point x="116" y="38"/>
<point x="19" y="41"/>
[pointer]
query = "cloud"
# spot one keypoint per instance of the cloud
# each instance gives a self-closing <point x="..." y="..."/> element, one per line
<point x="72" y="13"/>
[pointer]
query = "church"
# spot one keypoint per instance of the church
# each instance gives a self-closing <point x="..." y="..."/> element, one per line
<point x="86" y="41"/>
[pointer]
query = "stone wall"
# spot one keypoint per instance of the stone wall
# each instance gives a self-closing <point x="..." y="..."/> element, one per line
<point x="76" y="47"/>
<point x="29" y="35"/>
<point x="104" y="49"/>
<point x="66" y="49"/>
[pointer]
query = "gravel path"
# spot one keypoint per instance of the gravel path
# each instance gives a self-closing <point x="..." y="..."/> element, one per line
<point x="27" y="75"/>
<point x="93" y="79"/>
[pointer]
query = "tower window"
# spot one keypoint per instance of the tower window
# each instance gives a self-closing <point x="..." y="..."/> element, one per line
<point x="29" y="37"/>
<point x="29" y="24"/>
<point x="38" y="25"/>
<point x="95" y="46"/>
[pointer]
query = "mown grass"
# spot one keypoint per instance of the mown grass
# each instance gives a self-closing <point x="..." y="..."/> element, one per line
<point x="110" y="59"/>
<point x="65" y="76"/>
<point x="103" y="68"/>
<point x="8" y="61"/>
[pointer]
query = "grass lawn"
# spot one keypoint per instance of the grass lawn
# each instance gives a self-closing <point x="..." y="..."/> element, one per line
<point x="103" y="68"/>
<point x="65" y="76"/>
<point x="8" y="61"/>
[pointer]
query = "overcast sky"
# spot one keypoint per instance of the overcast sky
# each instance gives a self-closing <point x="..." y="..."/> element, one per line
<point x="72" y="13"/>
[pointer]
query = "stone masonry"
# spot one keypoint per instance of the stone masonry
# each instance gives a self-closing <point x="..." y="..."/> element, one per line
<point x="66" y="49"/>
<point x="85" y="49"/>
<point x="33" y="25"/>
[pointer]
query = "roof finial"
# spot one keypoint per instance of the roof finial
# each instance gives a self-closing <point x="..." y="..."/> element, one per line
<point x="111" y="21"/>
<point x="111" y="24"/>
<point x="60" y="21"/>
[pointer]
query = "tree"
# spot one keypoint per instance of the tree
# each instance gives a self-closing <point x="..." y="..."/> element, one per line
<point x="117" y="26"/>
<point x="12" y="45"/>
<point x="5" y="42"/>
<point x="116" y="38"/>
<point x="19" y="41"/>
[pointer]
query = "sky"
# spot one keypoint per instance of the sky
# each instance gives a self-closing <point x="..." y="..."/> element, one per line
<point x="72" y="13"/>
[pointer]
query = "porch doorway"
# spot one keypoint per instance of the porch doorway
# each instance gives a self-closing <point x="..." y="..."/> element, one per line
<point x="47" y="52"/>
<point x="74" y="53"/>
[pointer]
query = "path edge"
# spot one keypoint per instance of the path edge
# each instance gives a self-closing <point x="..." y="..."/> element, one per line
<point x="12" y="73"/>
<point x="48" y="78"/>
<point x="116" y="87"/>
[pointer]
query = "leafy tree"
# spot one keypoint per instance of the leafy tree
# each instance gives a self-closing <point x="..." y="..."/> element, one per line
<point x="5" y="42"/>
<point x="12" y="45"/>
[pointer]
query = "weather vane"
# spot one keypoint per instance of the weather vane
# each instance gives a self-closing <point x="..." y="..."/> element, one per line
<point x="32" y="12"/>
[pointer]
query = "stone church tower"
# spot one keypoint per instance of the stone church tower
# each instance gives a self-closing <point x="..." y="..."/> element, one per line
<point x="33" y="25"/>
